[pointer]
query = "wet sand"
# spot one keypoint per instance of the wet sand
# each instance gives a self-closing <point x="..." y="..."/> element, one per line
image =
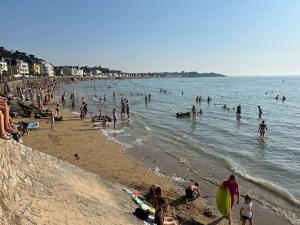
<point x="108" y="159"/>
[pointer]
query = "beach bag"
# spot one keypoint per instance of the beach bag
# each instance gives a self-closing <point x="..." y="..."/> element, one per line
<point x="16" y="136"/>
<point x="141" y="214"/>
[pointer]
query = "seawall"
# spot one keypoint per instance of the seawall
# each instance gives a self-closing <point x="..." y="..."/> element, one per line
<point x="40" y="189"/>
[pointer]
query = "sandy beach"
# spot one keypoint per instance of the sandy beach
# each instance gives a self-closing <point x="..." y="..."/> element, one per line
<point x="108" y="159"/>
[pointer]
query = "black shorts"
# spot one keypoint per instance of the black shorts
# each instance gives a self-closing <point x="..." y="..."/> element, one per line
<point x="245" y="218"/>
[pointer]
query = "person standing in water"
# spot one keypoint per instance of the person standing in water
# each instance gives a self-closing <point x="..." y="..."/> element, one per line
<point x="262" y="129"/>
<point x="238" y="110"/>
<point x="127" y="110"/>
<point x="194" y="112"/>
<point x="114" y="117"/>
<point x="259" y="112"/>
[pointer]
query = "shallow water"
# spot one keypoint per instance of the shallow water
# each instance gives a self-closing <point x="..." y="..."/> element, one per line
<point x="215" y="143"/>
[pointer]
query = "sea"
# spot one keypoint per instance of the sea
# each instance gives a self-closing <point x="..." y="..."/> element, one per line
<point x="216" y="143"/>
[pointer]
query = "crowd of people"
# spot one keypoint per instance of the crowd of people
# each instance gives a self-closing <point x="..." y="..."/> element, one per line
<point x="262" y="127"/>
<point x="192" y="192"/>
<point x="31" y="96"/>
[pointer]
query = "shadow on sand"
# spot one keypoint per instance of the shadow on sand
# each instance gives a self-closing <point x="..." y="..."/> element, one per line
<point x="190" y="222"/>
<point x="215" y="222"/>
<point x="179" y="201"/>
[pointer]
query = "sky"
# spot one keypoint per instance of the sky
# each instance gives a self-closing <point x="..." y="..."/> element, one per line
<point x="233" y="37"/>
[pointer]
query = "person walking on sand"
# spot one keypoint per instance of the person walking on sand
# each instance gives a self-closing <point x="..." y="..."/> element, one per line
<point x="246" y="212"/>
<point x="114" y="117"/>
<point x="262" y="129"/>
<point x="57" y="110"/>
<point x="194" y="112"/>
<point x="233" y="187"/>
<point x="52" y="120"/>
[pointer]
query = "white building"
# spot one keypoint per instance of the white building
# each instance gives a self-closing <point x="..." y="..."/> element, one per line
<point x="22" y="67"/>
<point x="72" y="71"/>
<point x="96" y="72"/>
<point x="79" y="72"/>
<point x="3" y="66"/>
<point x="47" y="69"/>
<point x="87" y="73"/>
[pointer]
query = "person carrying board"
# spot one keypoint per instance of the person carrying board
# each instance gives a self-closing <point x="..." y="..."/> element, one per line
<point x="233" y="187"/>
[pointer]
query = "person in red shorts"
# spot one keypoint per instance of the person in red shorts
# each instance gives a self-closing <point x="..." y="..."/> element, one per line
<point x="233" y="188"/>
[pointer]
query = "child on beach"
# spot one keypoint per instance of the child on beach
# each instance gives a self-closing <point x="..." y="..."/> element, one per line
<point x="246" y="212"/>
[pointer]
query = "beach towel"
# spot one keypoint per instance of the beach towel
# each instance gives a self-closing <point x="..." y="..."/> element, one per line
<point x="33" y="126"/>
<point x="140" y="202"/>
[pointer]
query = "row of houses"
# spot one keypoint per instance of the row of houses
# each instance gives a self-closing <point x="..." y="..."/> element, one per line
<point x="15" y="67"/>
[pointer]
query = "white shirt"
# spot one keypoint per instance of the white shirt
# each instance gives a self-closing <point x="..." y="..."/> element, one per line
<point x="246" y="209"/>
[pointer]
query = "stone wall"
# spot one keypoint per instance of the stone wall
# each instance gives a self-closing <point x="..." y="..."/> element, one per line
<point x="38" y="189"/>
<point x="12" y="179"/>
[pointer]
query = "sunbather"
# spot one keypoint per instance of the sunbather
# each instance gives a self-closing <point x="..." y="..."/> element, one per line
<point x="159" y="217"/>
<point x="153" y="194"/>
<point x="3" y="133"/>
<point x="9" y="126"/>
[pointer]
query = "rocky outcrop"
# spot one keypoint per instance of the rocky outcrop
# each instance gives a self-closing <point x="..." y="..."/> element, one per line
<point x="39" y="189"/>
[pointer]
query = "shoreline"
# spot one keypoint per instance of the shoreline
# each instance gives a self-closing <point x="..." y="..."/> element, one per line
<point x="109" y="160"/>
<point x="130" y="163"/>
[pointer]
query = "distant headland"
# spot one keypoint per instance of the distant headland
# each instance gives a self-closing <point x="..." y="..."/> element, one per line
<point x="15" y="64"/>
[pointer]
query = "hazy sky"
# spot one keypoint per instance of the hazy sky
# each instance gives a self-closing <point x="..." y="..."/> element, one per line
<point x="235" y="37"/>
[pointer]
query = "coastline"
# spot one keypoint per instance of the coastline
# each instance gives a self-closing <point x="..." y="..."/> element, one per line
<point x="109" y="159"/>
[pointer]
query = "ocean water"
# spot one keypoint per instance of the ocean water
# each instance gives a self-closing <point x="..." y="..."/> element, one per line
<point x="216" y="143"/>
